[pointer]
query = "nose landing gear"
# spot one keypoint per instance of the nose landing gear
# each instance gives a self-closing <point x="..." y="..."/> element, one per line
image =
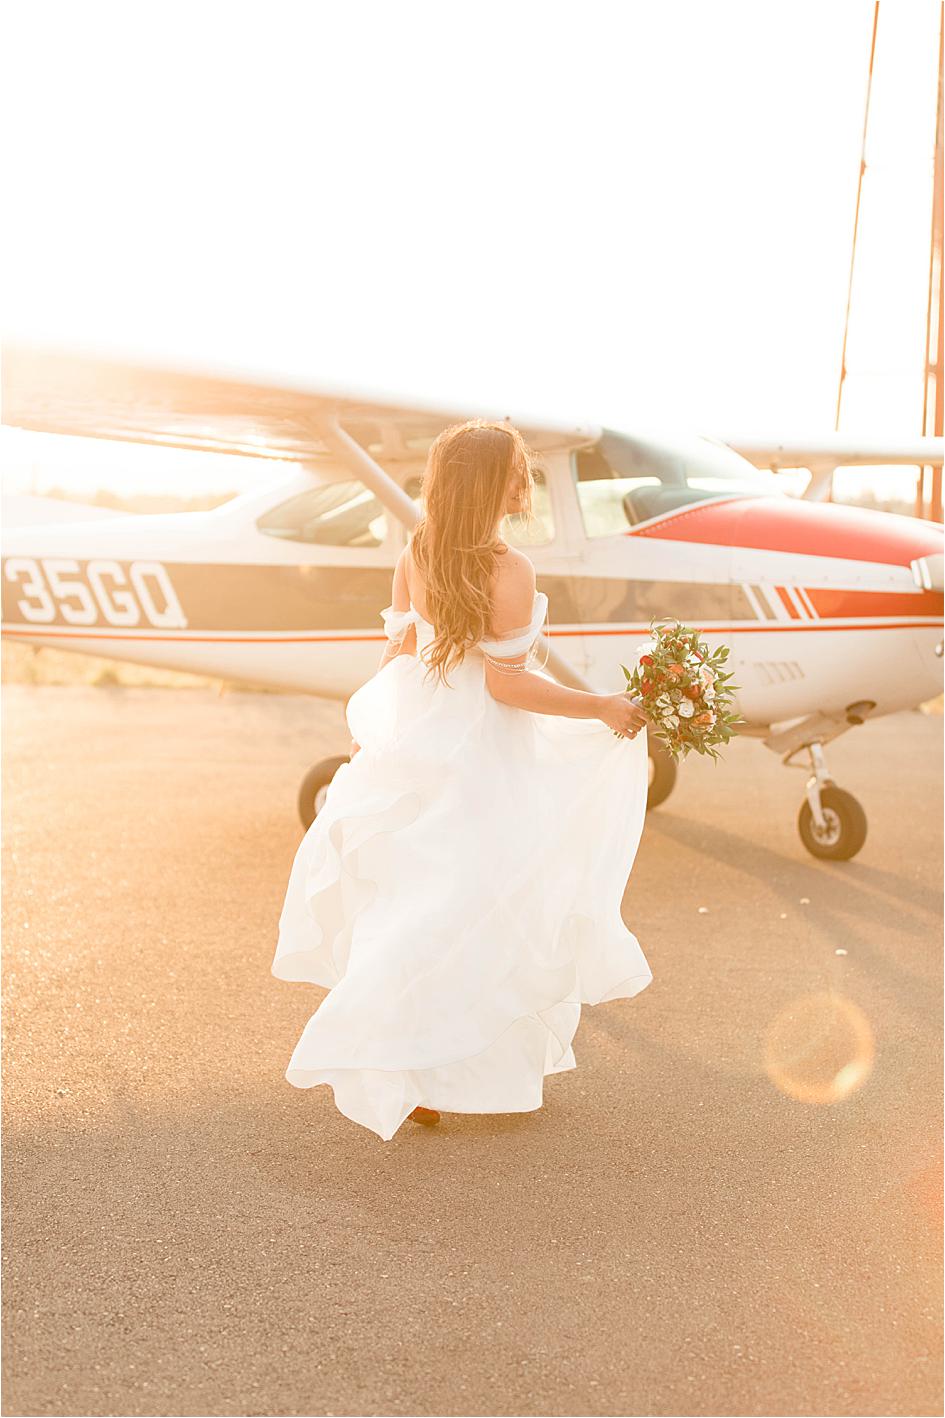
<point x="831" y="822"/>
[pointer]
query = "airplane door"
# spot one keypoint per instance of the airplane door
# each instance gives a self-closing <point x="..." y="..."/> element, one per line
<point x="551" y="541"/>
<point x="622" y="580"/>
<point x="604" y="600"/>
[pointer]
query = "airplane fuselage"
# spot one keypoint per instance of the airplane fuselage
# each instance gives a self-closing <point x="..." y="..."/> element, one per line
<point x="818" y="602"/>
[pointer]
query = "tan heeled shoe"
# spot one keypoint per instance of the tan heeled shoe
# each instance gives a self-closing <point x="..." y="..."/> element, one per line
<point x="427" y="1116"/>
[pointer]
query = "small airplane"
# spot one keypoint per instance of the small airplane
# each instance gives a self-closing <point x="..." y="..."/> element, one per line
<point x="833" y="613"/>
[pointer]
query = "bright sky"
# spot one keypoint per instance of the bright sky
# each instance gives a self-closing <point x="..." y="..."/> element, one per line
<point x="598" y="212"/>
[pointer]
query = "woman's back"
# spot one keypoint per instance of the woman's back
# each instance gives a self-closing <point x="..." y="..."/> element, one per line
<point x="511" y="590"/>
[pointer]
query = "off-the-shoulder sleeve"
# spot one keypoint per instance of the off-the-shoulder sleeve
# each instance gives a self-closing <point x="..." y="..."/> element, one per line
<point x="397" y="623"/>
<point x="518" y="641"/>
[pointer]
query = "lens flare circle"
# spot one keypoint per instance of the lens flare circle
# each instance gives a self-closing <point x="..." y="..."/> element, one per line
<point x="819" y="1048"/>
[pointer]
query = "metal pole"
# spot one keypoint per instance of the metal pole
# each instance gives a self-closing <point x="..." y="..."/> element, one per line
<point x="933" y="364"/>
<point x="856" y="223"/>
<point x="405" y="510"/>
<point x="372" y="474"/>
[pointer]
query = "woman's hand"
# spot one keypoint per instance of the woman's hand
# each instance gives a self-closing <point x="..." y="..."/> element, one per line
<point x="622" y="714"/>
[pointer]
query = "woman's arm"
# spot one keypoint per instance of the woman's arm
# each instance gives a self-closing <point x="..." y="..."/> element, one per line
<point x="524" y="690"/>
<point x="508" y="682"/>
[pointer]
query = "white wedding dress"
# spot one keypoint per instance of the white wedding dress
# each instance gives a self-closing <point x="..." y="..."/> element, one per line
<point x="459" y="892"/>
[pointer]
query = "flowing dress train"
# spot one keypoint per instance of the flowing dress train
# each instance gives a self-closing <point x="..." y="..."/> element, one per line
<point x="459" y="892"/>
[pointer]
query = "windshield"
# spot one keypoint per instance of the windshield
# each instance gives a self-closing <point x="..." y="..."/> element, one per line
<point x="624" y="480"/>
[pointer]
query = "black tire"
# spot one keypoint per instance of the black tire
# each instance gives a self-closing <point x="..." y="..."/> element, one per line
<point x="663" y="771"/>
<point x="846" y="826"/>
<point x="313" y="786"/>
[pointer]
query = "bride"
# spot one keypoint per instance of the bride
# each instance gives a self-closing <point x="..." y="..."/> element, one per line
<point x="459" y="892"/>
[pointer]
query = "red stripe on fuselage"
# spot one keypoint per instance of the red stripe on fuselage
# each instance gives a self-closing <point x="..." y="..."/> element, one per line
<point x="792" y="608"/>
<point x="767" y="627"/>
<point x="808" y="528"/>
<point x="834" y="602"/>
<point x="806" y="600"/>
<point x="775" y="627"/>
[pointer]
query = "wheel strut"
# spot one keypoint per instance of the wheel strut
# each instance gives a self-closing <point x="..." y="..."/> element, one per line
<point x="820" y="777"/>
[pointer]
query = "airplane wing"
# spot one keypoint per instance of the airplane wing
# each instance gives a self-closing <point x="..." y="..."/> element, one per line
<point x="827" y="451"/>
<point x="77" y="393"/>
<point x="56" y="391"/>
<point x="23" y="509"/>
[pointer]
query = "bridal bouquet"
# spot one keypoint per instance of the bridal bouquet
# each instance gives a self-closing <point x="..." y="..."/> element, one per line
<point x="683" y="690"/>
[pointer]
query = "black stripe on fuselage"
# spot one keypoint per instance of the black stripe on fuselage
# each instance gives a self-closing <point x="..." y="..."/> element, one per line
<point x="247" y="597"/>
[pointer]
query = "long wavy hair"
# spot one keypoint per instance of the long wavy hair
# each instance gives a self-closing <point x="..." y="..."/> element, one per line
<point x="469" y="476"/>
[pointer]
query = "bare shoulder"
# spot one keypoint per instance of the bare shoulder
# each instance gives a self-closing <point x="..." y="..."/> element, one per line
<point x="513" y="591"/>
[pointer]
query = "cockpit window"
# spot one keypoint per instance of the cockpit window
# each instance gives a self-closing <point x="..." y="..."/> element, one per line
<point x="622" y="481"/>
<point x="517" y="531"/>
<point x="342" y="514"/>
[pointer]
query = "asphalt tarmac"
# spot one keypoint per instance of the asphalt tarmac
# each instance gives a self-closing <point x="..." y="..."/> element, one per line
<point x="692" y="1224"/>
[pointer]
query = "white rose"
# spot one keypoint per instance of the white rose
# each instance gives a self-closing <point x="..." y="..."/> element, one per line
<point x="686" y="709"/>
